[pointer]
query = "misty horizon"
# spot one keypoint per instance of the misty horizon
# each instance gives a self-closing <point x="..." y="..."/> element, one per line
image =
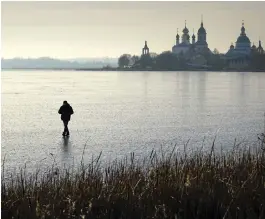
<point x="70" y="58"/>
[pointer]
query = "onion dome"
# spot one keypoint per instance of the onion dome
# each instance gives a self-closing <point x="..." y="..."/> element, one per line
<point x="253" y="47"/>
<point x="177" y="36"/>
<point x="243" y="37"/>
<point x="185" y="30"/>
<point x="193" y="36"/>
<point x="260" y="49"/>
<point x="201" y="29"/>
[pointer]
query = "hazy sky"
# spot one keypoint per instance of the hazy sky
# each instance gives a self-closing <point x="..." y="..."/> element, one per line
<point x="96" y="29"/>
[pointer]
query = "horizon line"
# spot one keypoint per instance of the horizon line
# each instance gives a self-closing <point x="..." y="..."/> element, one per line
<point x="50" y="57"/>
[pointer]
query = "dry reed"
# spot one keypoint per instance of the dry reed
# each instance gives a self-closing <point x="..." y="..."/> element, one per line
<point x="174" y="186"/>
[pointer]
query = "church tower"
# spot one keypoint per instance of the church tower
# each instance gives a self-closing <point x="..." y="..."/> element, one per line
<point x="185" y="36"/>
<point x="243" y="43"/>
<point x="145" y="50"/>
<point x="202" y="33"/>
<point x="193" y="38"/>
<point x="177" y="37"/>
<point x="201" y="44"/>
<point x="260" y="49"/>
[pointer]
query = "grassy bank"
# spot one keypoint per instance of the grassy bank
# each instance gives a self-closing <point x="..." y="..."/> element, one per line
<point x="199" y="185"/>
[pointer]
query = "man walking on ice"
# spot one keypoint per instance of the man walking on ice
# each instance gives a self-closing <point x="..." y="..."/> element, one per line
<point x="66" y="111"/>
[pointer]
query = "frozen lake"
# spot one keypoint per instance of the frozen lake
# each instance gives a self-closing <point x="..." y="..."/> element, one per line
<point x="123" y="112"/>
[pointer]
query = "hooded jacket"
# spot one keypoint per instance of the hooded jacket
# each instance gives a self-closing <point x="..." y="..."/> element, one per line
<point x="66" y="111"/>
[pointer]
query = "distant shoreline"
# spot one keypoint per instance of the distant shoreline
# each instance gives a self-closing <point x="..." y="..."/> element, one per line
<point x="125" y="69"/>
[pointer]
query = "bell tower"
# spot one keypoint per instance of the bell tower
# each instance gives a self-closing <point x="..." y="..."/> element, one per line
<point x="145" y="50"/>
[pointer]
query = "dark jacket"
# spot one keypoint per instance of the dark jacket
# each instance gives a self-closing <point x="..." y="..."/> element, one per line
<point x="66" y="111"/>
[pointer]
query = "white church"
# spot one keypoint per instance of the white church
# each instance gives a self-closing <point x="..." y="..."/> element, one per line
<point x="185" y="45"/>
<point x="195" y="51"/>
<point x="238" y="56"/>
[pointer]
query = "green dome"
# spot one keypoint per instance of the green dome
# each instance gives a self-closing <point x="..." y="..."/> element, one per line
<point x="201" y="30"/>
<point x="243" y="39"/>
<point x="185" y="30"/>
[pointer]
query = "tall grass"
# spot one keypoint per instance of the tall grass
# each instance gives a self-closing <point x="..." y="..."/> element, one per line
<point x="179" y="186"/>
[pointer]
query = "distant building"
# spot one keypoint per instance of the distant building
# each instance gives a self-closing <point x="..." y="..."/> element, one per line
<point x="145" y="50"/>
<point x="238" y="56"/>
<point x="259" y="50"/>
<point x="185" y="46"/>
<point x="195" y="52"/>
<point x="198" y="55"/>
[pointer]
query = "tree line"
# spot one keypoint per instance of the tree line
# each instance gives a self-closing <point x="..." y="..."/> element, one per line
<point x="168" y="61"/>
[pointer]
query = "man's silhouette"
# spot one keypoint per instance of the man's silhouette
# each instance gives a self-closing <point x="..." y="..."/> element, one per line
<point x="66" y="111"/>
